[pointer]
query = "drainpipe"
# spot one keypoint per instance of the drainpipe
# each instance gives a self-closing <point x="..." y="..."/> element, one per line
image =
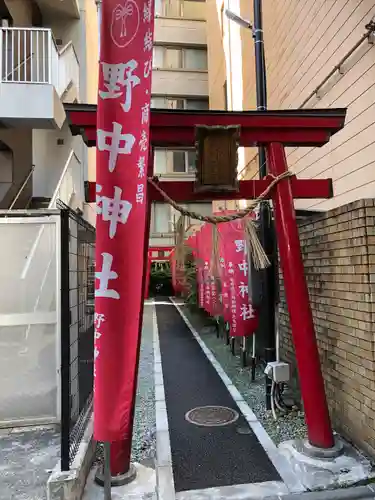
<point x="99" y="10"/>
<point x="267" y="233"/>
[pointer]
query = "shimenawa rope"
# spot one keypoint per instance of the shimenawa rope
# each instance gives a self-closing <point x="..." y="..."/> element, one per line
<point x="217" y="219"/>
<point x="259" y="256"/>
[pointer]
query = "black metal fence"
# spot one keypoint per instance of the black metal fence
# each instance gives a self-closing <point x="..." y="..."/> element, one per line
<point x="77" y="330"/>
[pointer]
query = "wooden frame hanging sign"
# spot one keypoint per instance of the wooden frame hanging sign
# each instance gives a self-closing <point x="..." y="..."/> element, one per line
<point x="217" y="158"/>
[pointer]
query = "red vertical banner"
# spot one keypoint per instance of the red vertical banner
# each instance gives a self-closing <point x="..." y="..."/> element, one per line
<point x="206" y="256"/>
<point x="224" y="234"/>
<point x="199" y="268"/>
<point x="244" y="320"/>
<point x="123" y="116"/>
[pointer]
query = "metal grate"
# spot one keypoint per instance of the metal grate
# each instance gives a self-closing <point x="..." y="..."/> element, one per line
<point x="211" y="416"/>
<point x="77" y="329"/>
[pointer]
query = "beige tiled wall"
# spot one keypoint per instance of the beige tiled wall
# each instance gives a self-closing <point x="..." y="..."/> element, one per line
<point x="339" y="257"/>
<point x="304" y="40"/>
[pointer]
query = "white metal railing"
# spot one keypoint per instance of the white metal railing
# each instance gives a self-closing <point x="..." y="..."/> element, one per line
<point x="70" y="183"/>
<point x="68" y="68"/>
<point x="21" y="188"/>
<point x="30" y="55"/>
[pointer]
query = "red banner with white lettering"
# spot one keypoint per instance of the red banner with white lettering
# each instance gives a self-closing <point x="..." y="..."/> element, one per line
<point x="199" y="268"/>
<point x="243" y="317"/>
<point x="123" y="116"/>
<point x="224" y="281"/>
<point x="206" y="256"/>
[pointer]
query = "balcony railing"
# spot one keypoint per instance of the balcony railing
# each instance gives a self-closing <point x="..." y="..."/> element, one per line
<point x="70" y="184"/>
<point x="30" y="55"/>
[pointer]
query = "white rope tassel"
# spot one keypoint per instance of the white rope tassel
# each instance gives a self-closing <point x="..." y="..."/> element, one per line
<point x="258" y="254"/>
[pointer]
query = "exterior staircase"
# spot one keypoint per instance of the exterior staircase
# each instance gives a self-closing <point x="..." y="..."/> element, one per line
<point x="38" y="203"/>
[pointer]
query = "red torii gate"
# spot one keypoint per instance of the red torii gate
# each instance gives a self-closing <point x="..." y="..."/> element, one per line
<point x="155" y="258"/>
<point x="275" y="130"/>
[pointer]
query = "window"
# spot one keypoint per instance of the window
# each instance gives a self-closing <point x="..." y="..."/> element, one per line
<point x="179" y="58"/>
<point x="178" y="103"/>
<point x="158" y="57"/>
<point x="179" y="162"/>
<point x="173" y="59"/>
<point x="167" y="103"/>
<point x="158" y="7"/>
<point x="196" y="104"/>
<point x="184" y="161"/>
<point x="158" y="102"/>
<point x="175" y="103"/>
<point x="160" y="161"/>
<point x="160" y="218"/>
<point x="190" y="158"/>
<point x="195" y="59"/>
<point x="180" y="8"/>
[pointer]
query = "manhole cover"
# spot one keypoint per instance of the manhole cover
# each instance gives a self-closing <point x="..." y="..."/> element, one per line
<point x="211" y="416"/>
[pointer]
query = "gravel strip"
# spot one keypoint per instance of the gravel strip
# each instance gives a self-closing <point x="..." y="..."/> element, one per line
<point x="288" y="426"/>
<point x="144" y="432"/>
<point x="144" y="435"/>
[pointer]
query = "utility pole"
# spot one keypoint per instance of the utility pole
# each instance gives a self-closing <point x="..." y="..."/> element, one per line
<point x="267" y="233"/>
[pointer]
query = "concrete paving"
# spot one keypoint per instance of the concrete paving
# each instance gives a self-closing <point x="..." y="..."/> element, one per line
<point x="27" y="456"/>
<point x="204" y="456"/>
<point x="159" y="483"/>
<point x="259" y="492"/>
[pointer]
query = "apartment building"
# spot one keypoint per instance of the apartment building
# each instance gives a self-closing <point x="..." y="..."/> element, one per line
<point x="47" y="50"/>
<point x="179" y="81"/>
<point x="319" y="54"/>
<point x="48" y="57"/>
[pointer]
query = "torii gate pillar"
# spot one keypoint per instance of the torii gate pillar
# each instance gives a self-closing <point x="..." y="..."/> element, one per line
<point x="312" y="385"/>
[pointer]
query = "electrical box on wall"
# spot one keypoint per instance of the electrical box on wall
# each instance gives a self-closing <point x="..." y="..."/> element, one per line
<point x="278" y="371"/>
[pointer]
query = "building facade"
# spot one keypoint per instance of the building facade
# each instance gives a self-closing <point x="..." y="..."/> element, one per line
<point x="48" y="57"/>
<point x="179" y="81"/>
<point x="319" y="54"/>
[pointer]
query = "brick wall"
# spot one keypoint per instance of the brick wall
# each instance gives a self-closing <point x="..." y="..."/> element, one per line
<point x="339" y="256"/>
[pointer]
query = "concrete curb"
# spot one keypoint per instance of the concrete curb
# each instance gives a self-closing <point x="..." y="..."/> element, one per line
<point x="164" y="470"/>
<point x="70" y="485"/>
<point x="354" y="493"/>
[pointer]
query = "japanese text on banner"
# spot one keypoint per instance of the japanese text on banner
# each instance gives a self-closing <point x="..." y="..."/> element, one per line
<point x="123" y="120"/>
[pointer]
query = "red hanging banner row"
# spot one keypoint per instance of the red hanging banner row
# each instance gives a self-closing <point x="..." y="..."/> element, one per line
<point x="227" y="293"/>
